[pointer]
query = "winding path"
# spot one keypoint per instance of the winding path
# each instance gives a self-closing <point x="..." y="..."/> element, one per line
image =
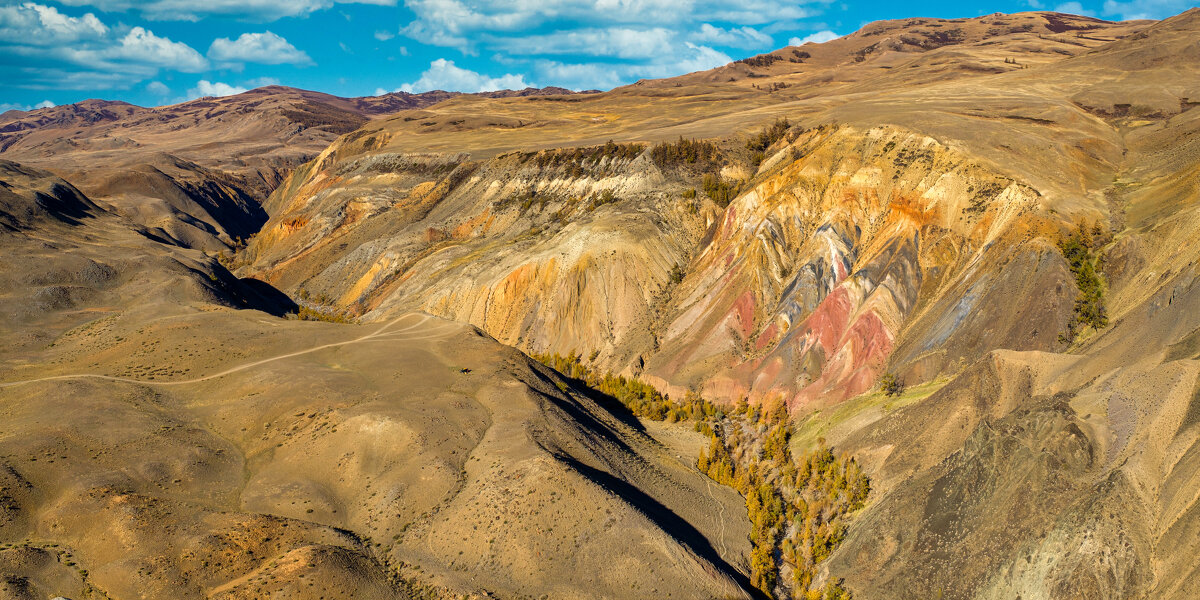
<point x="720" y="515"/>
<point x="380" y="335"/>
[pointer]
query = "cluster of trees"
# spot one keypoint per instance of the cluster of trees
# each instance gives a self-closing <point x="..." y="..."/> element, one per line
<point x="827" y="490"/>
<point x="799" y="507"/>
<point x="642" y="399"/>
<point x="758" y="144"/>
<point x="702" y="153"/>
<point x="585" y="157"/>
<point x="1081" y="249"/>
<point x="761" y="61"/>
<point x="772" y="87"/>
<point x="600" y="199"/>
<point x="722" y="191"/>
<point x="525" y="199"/>
<point x="771" y="134"/>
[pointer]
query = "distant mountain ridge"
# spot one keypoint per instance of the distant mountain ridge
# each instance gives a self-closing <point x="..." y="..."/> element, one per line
<point x="198" y="169"/>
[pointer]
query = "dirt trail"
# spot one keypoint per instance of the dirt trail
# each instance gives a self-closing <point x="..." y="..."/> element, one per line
<point x="720" y="515"/>
<point x="381" y="334"/>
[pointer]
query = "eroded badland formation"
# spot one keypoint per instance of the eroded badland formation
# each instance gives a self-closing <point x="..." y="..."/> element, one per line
<point x="909" y="314"/>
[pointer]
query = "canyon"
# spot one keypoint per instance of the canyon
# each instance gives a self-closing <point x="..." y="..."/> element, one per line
<point x="279" y="344"/>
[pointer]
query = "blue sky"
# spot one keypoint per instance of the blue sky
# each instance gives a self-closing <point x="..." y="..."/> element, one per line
<point x="154" y="52"/>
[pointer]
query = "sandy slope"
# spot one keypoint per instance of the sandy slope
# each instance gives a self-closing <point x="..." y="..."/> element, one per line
<point x="160" y="442"/>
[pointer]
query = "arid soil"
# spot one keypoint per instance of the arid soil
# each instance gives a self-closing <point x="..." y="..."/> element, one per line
<point x="999" y="213"/>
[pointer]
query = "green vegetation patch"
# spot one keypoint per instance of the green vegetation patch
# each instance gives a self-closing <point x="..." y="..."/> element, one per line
<point x="1081" y="250"/>
<point x="766" y="138"/>
<point x="722" y="191"/>
<point x="578" y="162"/>
<point x="703" y="154"/>
<point x="817" y="425"/>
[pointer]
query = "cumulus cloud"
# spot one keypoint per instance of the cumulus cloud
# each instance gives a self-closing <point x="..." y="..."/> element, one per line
<point x="261" y="82"/>
<point x="1145" y="9"/>
<point x="42" y="48"/>
<point x="615" y="42"/>
<point x="1074" y="8"/>
<point x="445" y="75"/>
<point x="205" y="88"/>
<point x="190" y="10"/>
<point x="603" y="43"/>
<point x="158" y="88"/>
<point x="142" y="46"/>
<point x="603" y="75"/>
<point x="7" y="106"/>
<point x="739" y="37"/>
<point x="263" y="48"/>
<point x="447" y="22"/>
<point x="35" y="24"/>
<point x="819" y="37"/>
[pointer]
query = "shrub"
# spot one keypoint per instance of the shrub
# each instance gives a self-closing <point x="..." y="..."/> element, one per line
<point x="309" y="314"/>
<point x="891" y="385"/>
<point x="676" y="274"/>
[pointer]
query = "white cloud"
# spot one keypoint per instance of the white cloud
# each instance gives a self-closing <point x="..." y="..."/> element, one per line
<point x="737" y="37"/>
<point x="695" y="58"/>
<point x="446" y="22"/>
<point x="819" y="37"/>
<point x="142" y="46"/>
<point x="208" y="88"/>
<point x="449" y="22"/>
<point x="158" y="88"/>
<point x="1074" y="8"/>
<point x="191" y="10"/>
<point x="7" y="106"/>
<point x="41" y="48"/>
<point x="616" y="42"/>
<point x="383" y="35"/>
<point x="35" y="24"/>
<point x="583" y="76"/>
<point x="444" y="75"/>
<point x="258" y="82"/>
<point x="263" y="48"/>
<point x="629" y="39"/>
<point x="1145" y="9"/>
<point x="753" y="12"/>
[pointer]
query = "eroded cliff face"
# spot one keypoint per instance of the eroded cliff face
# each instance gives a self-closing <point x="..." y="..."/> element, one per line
<point x="907" y="222"/>
<point x="547" y="251"/>
<point x="813" y="275"/>
<point x="801" y="288"/>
